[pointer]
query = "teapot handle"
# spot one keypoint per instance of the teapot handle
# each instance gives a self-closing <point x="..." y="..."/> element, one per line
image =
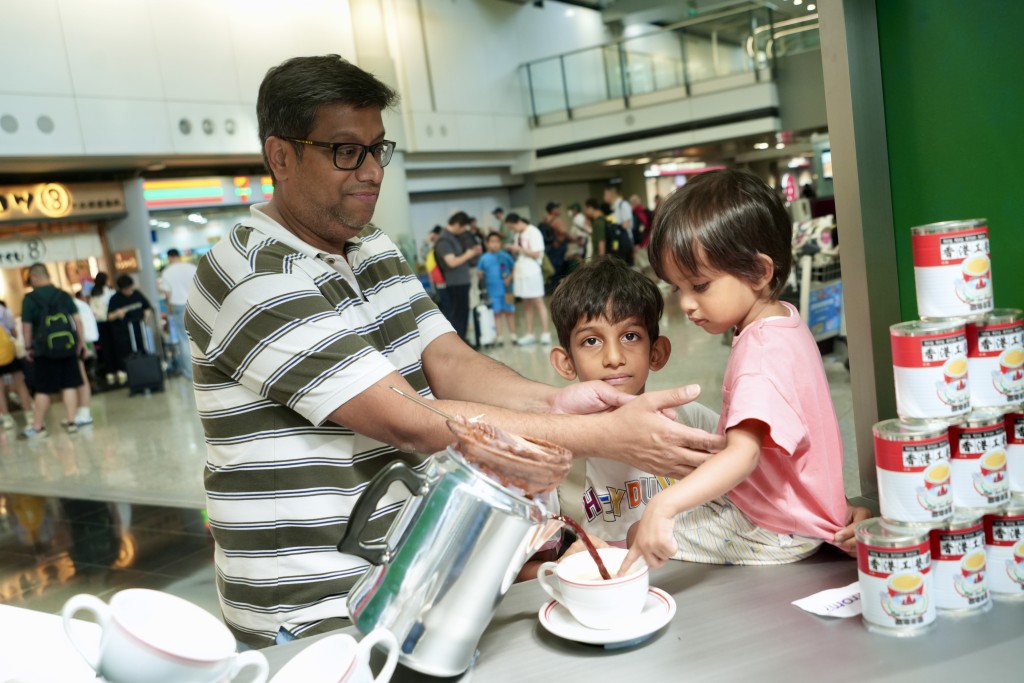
<point x="350" y="542"/>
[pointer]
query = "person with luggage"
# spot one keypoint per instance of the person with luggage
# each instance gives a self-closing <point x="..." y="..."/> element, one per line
<point x="495" y="269"/>
<point x="99" y="302"/>
<point x="53" y="341"/>
<point x="128" y="312"/>
<point x="453" y="256"/>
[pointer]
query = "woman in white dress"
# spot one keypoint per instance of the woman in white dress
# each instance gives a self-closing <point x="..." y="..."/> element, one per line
<point x="528" y="276"/>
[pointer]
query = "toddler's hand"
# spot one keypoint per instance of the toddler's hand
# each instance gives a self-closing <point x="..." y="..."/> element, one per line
<point x="654" y="540"/>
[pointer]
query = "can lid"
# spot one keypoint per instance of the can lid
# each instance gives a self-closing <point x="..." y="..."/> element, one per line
<point x="1014" y="507"/>
<point x="949" y="226"/>
<point x="902" y="430"/>
<point x="873" y="532"/>
<point x="979" y="417"/>
<point x="997" y="316"/>
<point x="922" y="328"/>
<point x="965" y="518"/>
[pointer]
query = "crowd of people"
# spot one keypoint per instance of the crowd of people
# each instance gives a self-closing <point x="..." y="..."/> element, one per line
<point x="479" y="277"/>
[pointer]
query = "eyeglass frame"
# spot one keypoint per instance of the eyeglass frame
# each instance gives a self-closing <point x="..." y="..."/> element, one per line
<point x="364" y="150"/>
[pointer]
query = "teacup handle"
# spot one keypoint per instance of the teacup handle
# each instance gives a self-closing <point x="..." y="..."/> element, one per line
<point x="380" y="636"/>
<point x="255" y="659"/>
<point x="544" y="574"/>
<point x="99" y="609"/>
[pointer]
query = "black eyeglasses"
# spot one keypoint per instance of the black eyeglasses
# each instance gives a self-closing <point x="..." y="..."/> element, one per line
<point x="348" y="156"/>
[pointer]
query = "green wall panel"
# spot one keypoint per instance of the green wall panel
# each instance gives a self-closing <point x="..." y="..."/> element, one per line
<point x="953" y="84"/>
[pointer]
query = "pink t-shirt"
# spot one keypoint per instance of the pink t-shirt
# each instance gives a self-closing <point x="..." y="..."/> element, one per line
<point x="775" y="375"/>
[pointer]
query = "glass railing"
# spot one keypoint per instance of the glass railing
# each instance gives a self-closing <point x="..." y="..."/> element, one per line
<point x="699" y="55"/>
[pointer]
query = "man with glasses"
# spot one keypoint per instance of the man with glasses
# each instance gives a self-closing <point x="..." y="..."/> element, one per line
<point x="302" y="318"/>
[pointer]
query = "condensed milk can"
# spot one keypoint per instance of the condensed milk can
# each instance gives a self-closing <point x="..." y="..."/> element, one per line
<point x="978" y="457"/>
<point x="952" y="268"/>
<point x="929" y="364"/>
<point x="959" y="562"/>
<point x="913" y="465"/>
<point x="1004" y="541"/>
<point x="895" y="571"/>
<point x="995" y="358"/>
<point x="1015" y="449"/>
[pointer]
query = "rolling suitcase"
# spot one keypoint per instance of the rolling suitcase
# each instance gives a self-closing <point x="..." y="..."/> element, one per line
<point x="142" y="366"/>
<point x="486" y="329"/>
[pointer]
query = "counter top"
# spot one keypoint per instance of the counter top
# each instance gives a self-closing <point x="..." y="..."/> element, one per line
<point x="737" y="623"/>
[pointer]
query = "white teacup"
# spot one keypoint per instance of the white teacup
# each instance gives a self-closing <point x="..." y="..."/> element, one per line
<point x="594" y="602"/>
<point x="154" y="637"/>
<point x="340" y="659"/>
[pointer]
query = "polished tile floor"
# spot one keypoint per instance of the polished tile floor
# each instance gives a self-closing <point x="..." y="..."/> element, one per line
<point x="120" y="504"/>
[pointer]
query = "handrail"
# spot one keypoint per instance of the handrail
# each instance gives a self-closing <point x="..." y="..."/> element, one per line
<point x="739" y="9"/>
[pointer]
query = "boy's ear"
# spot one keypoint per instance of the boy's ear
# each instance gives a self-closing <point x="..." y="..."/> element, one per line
<point x="767" y="271"/>
<point x="661" y="349"/>
<point x="561" y="361"/>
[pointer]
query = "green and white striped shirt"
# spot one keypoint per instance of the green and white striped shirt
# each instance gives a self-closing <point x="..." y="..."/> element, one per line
<point x="282" y="335"/>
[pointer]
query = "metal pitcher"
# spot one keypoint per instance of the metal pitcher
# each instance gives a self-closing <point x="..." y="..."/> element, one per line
<point x="447" y="561"/>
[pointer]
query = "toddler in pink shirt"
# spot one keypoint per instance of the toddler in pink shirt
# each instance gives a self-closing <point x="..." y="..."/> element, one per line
<point x="775" y="493"/>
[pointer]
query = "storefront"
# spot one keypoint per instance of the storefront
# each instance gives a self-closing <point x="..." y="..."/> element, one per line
<point x="63" y="226"/>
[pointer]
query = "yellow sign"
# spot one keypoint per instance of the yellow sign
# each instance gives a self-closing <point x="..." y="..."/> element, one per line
<point x="126" y="261"/>
<point x="45" y="200"/>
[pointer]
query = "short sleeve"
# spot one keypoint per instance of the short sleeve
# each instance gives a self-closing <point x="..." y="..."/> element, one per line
<point x="755" y="397"/>
<point x="444" y="246"/>
<point x="294" y="349"/>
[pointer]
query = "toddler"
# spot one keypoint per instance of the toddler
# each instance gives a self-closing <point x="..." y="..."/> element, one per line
<point x="606" y="315"/>
<point x="724" y="242"/>
<point x="495" y="268"/>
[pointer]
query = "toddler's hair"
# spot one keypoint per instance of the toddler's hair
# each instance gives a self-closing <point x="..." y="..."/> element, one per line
<point x="605" y="287"/>
<point x="724" y="220"/>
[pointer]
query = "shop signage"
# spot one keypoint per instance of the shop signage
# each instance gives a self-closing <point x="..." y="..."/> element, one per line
<point x="21" y="252"/>
<point x="186" y="193"/>
<point x="50" y="201"/>
<point x="15" y="253"/>
<point x="126" y="261"/>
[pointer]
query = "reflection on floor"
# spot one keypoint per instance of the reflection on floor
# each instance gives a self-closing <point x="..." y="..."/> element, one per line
<point x="120" y="503"/>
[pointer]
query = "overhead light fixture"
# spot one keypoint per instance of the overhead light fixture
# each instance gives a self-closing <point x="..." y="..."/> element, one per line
<point x="613" y="162"/>
<point x="812" y="7"/>
<point x="760" y="145"/>
<point x="643" y="160"/>
<point x="798" y="2"/>
<point x="780" y="145"/>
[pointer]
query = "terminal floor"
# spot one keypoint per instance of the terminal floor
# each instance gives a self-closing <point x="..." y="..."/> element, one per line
<point x="120" y="504"/>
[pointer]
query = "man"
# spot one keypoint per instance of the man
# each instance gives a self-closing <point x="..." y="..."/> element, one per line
<point x="598" y="227"/>
<point x="454" y="257"/>
<point x="54" y="342"/>
<point x="620" y="208"/>
<point x="641" y="222"/>
<point x="176" y="280"/>
<point x="302" y="318"/>
<point x="557" y="246"/>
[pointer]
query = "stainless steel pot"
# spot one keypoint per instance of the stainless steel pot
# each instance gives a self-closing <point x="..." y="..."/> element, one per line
<point x="447" y="561"/>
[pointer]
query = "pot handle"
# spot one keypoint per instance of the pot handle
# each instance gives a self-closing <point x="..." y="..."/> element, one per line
<point x="350" y="543"/>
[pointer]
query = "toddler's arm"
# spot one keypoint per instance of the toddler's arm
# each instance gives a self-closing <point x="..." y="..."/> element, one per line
<point x="654" y="540"/>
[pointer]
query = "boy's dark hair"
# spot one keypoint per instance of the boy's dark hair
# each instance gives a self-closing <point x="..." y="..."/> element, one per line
<point x="292" y="91"/>
<point x="731" y="217"/>
<point x="491" y="234"/>
<point x="459" y="218"/>
<point x="605" y="287"/>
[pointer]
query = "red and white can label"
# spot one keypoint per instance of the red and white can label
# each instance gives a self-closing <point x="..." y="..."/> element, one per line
<point x="931" y="375"/>
<point x="914" y="479"/>
<point x="953" y="273"/>
<point x="978" y="466"/>
<point x="1015" y="450"/>
<point x="896" y="585"/>
<point x="1004" y="542"/>
<point x="995" y="357"/>
<point x="960" y="564"/>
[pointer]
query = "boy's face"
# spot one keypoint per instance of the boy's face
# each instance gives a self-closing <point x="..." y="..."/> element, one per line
<point x="494" y="244"/>
<point x="620" y="354"/>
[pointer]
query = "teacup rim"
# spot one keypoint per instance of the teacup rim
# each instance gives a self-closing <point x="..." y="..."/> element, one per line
<point x="230" y="644"/>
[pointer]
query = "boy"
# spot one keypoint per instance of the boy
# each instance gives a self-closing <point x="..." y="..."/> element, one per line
<point x="495" y="268"/>
<point x="606" y="315"/>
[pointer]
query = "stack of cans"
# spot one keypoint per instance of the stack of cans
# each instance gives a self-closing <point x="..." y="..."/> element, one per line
<point x="951" y="468"/>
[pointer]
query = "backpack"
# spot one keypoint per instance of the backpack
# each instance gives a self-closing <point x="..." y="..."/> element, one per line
<point x="55" y="337"/>
<point x="619" y="242"/>
<point x="7" y="351"/>
<point x="433" y="268"/>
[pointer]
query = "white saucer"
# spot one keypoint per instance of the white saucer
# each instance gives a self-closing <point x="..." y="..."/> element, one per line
<point x="658" y="611"/>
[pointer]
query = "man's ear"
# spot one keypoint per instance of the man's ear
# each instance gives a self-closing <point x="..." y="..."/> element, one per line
<point x="767" y="271"/>
<point x="561" y="361"/>
<point x="661" y="349"/>
<point x="280" y="156"/>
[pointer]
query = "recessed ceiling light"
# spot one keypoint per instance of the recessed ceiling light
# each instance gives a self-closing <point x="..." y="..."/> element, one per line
<point x="798" y="2"/>
<point x="780" y="145"/>
<point x="760" y="145"/>
<point x="643" y="160"/>
<point x="812" y="7"/>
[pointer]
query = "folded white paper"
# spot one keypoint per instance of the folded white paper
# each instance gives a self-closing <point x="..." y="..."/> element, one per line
<point x="835" y="602"/>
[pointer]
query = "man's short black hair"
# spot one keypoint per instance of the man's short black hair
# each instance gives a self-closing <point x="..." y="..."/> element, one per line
<point x="592" y="203"/>
<point x="293" y="91"/>
<point x="124" y="281"/>
<point x="173" y="253"/>
<point x="605" y="287"/>
<point x="436" y="229"/>
<point x="513" y="218"/>
<point x="726" y="220"/>
<point x="497" y="210"/>
<point x="459" y="218"/>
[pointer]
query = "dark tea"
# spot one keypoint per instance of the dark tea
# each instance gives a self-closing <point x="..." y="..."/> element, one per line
<point x="568" y="521"/>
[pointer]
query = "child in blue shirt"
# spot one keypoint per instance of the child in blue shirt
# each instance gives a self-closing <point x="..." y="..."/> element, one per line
<point x="495" y="268"/>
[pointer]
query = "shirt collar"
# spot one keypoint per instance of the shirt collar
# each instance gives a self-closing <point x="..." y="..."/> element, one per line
<point x="259" y="220"/>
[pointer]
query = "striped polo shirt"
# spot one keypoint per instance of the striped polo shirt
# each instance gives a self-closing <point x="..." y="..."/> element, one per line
<point x="282" y="335"/>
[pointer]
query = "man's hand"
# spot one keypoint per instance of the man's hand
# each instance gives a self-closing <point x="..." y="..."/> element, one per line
<point x="845" y="538"/>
